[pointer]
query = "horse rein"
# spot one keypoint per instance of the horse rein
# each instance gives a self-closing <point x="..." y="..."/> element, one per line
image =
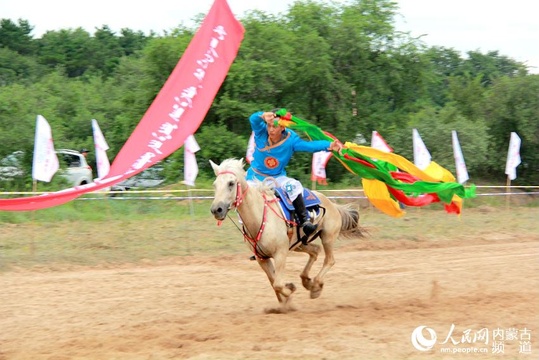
<point x="240" y="194"/>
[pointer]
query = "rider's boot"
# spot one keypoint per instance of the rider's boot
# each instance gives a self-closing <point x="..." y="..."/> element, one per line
<point x="303" y="216"/>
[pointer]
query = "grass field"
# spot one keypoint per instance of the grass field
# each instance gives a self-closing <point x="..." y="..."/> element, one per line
<point x="113" y="232"/>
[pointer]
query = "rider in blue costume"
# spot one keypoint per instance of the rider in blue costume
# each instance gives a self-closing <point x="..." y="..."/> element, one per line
<point x="274" y="147"/>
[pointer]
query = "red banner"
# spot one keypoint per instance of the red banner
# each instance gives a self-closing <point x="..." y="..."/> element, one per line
<point x="176" y="112"/>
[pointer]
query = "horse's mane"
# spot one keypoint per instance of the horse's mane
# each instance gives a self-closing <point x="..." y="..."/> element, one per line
<point x="234" y="165"/>
<point x="266" y="187"/>
<point x="237" y="167"/>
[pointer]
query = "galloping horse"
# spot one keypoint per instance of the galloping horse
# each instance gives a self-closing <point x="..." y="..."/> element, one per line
<point x="271" y="236"/>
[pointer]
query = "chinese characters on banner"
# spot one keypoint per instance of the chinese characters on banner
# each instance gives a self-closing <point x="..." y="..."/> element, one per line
<point x="320" y="160"/>
<point x="177" y="111"/>
<point x="462" y="172"/>
<point x="190" y="166"/>
<point x="379" y="143"/>
<point x="45" y="163"/>
<point x="101" y="147"/>
<point x="422" y="156"/>
<point x="513" y="156"/>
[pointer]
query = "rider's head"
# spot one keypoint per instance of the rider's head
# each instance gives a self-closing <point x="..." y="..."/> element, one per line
<point x="275" y="130"/>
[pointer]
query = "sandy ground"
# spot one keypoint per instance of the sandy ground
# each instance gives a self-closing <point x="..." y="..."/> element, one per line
<point x="214" y="307"/>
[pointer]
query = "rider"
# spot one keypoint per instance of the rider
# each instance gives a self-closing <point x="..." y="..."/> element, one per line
<point x="274" y="147"/>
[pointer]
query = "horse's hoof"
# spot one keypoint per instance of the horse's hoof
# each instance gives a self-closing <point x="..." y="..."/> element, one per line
<point x="291" y="287"/>
<point x="307" y="283"/>
<point x="316" y="291"/>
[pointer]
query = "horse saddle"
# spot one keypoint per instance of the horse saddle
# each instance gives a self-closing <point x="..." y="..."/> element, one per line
<point x="311" y="201"/>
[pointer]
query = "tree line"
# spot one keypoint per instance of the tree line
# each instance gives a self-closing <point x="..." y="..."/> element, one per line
<point x="344" y="68"/>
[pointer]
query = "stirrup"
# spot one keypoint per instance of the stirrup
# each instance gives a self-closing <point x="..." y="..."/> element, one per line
<point x="309" y="228"/>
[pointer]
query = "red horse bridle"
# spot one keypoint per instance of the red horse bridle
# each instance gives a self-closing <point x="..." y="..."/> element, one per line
<point x="240" y="194"/>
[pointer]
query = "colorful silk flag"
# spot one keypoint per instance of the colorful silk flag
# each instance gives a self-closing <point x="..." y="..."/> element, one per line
<point x="250" y="148"/>
<point x="45" y="162"/>
<point x="101" y="147"/>
<point x="378" y="142"/>
<point x="319" y="162"/>
<point x="460" y="165"/>
<point x="176" y="112"/>
<point x="422" y="156"/>
<point x="190" y="166"/>
<point x="513" y="156"/>
<point x="385" y="187"/>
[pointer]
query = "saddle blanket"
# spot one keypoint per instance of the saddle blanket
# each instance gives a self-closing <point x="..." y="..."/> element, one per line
<point x="309" y="198"/>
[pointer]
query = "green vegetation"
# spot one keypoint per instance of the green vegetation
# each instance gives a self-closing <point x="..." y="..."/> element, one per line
<point x="344" y="68"/>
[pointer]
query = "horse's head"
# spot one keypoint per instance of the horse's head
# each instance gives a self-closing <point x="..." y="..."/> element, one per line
<point x="228" y="185"/>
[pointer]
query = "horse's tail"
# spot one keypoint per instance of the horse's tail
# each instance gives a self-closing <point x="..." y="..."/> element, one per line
<point x="350" y="221"/>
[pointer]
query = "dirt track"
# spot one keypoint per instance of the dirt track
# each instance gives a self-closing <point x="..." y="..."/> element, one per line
<point x="213" y="308"/>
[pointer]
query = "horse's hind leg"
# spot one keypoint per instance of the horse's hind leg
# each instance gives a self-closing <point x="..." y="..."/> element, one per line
<point x="329" y="261"/>
<point x="313" y="250"/>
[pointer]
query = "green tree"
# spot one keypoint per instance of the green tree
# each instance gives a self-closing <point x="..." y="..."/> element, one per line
<point x="217" y="144"/>
<point x="132" y="41"/>
<point x="443" y="64"/>
<point x="15" y="67"/>
<point x="73" y="50"/>
<point x="490" y="66"/>
<point x="512" y="105"/>
<point x="17" y="37"/>
<point x="108" y="51"/>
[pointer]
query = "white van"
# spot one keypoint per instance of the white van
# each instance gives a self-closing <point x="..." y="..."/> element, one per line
<point x="74" y="167"/>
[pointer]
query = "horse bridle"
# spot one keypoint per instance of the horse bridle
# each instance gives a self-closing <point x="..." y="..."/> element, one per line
<point x="240" y="194"/>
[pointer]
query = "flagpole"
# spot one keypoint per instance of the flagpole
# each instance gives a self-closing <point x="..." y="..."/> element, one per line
<point x="32" y="245"/>
<point x="189" y="198"/>
<point x="192" y="212"/>
<point x="508" y="192"/>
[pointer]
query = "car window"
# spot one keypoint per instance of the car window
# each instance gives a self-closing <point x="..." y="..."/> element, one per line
<point x="71" y="160"/>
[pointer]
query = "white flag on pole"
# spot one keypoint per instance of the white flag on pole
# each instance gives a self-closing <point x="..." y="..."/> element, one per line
<point x="513" y="156"/>
<point x="462" y="172"/>
<point x="189" y="160"/>
<point x="422" y="156"/>
<point x="101" y="147"/>
<point x="320" y="159"/>
<point x="378" y="142"/>
<point x="250" y="148"/>
<point x="45" y="162"/>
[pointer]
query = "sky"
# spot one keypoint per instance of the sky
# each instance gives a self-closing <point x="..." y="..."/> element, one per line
<point x="511" y="28"/>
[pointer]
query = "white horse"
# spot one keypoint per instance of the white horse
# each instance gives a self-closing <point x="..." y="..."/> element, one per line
<point x="270" y="236"/>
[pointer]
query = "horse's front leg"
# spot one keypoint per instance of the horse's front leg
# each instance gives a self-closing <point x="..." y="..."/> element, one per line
<point x="284" y="291"/>
<point x="313" y="250"/>
<point x="268" y="268"/>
